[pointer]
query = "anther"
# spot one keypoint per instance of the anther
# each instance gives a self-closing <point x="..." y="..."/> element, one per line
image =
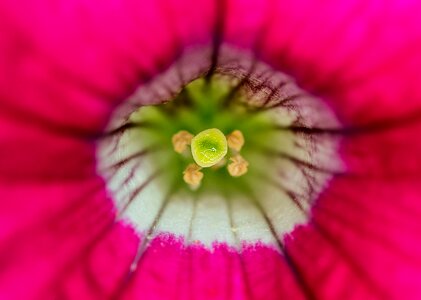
<point x="192" y="176"/>
<point x="181" y="140"/>
<point x="235" y="140"/>
<point x="238" y="166"/>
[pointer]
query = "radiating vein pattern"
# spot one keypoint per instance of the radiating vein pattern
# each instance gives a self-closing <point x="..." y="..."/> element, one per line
<point x="288" y="169"/>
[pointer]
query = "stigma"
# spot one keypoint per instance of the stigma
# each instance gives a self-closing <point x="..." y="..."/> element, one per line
<point x="209" y="147"/>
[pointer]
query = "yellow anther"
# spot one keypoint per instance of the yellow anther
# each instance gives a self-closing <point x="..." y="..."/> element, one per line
<point x="193" y="176"/>
<point x="235" y="140"/>
<point x="181" y="140"/>
<point x="238" y="166"/>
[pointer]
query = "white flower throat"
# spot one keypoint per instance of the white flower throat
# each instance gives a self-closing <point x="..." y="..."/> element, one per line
<point x="215" y="162"/>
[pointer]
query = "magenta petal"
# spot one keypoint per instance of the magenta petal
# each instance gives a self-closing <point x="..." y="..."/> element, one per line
<point x="195" y="272"/>
<point x="360" y="56"/>
<point x="98" y="273"/>
<point x="44" y="226"/>
<point x="378" y="225"/>
<point x="66" y="66"/>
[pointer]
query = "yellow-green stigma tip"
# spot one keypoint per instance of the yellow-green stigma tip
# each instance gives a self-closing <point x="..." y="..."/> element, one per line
<point x="209" y="147"/>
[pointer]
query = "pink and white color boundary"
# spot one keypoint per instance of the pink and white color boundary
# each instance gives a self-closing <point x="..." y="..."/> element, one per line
<point x="65" y="66"/>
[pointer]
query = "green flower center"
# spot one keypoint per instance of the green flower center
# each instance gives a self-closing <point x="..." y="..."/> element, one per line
<point x="209" y="112"/>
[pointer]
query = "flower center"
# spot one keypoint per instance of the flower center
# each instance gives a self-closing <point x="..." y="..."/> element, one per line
<point x="209" y="147"/>
<point x="219" y="160"/>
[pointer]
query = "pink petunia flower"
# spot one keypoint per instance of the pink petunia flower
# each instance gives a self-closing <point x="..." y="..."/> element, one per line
<point x="72" y="226"/>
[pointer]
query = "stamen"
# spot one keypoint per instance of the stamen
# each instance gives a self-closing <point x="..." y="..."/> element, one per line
<point x="209" y="147"/>
<point x="238" y="167"/>
<point x="181" y="140"/>
<point x="235" y="140"/>
<point x="192" y="176"/>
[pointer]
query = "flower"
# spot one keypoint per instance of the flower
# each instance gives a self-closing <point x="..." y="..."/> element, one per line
<point x="68" y="67"/>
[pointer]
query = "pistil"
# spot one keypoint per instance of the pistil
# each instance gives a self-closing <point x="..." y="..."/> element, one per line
<point x="209" y="147"/>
